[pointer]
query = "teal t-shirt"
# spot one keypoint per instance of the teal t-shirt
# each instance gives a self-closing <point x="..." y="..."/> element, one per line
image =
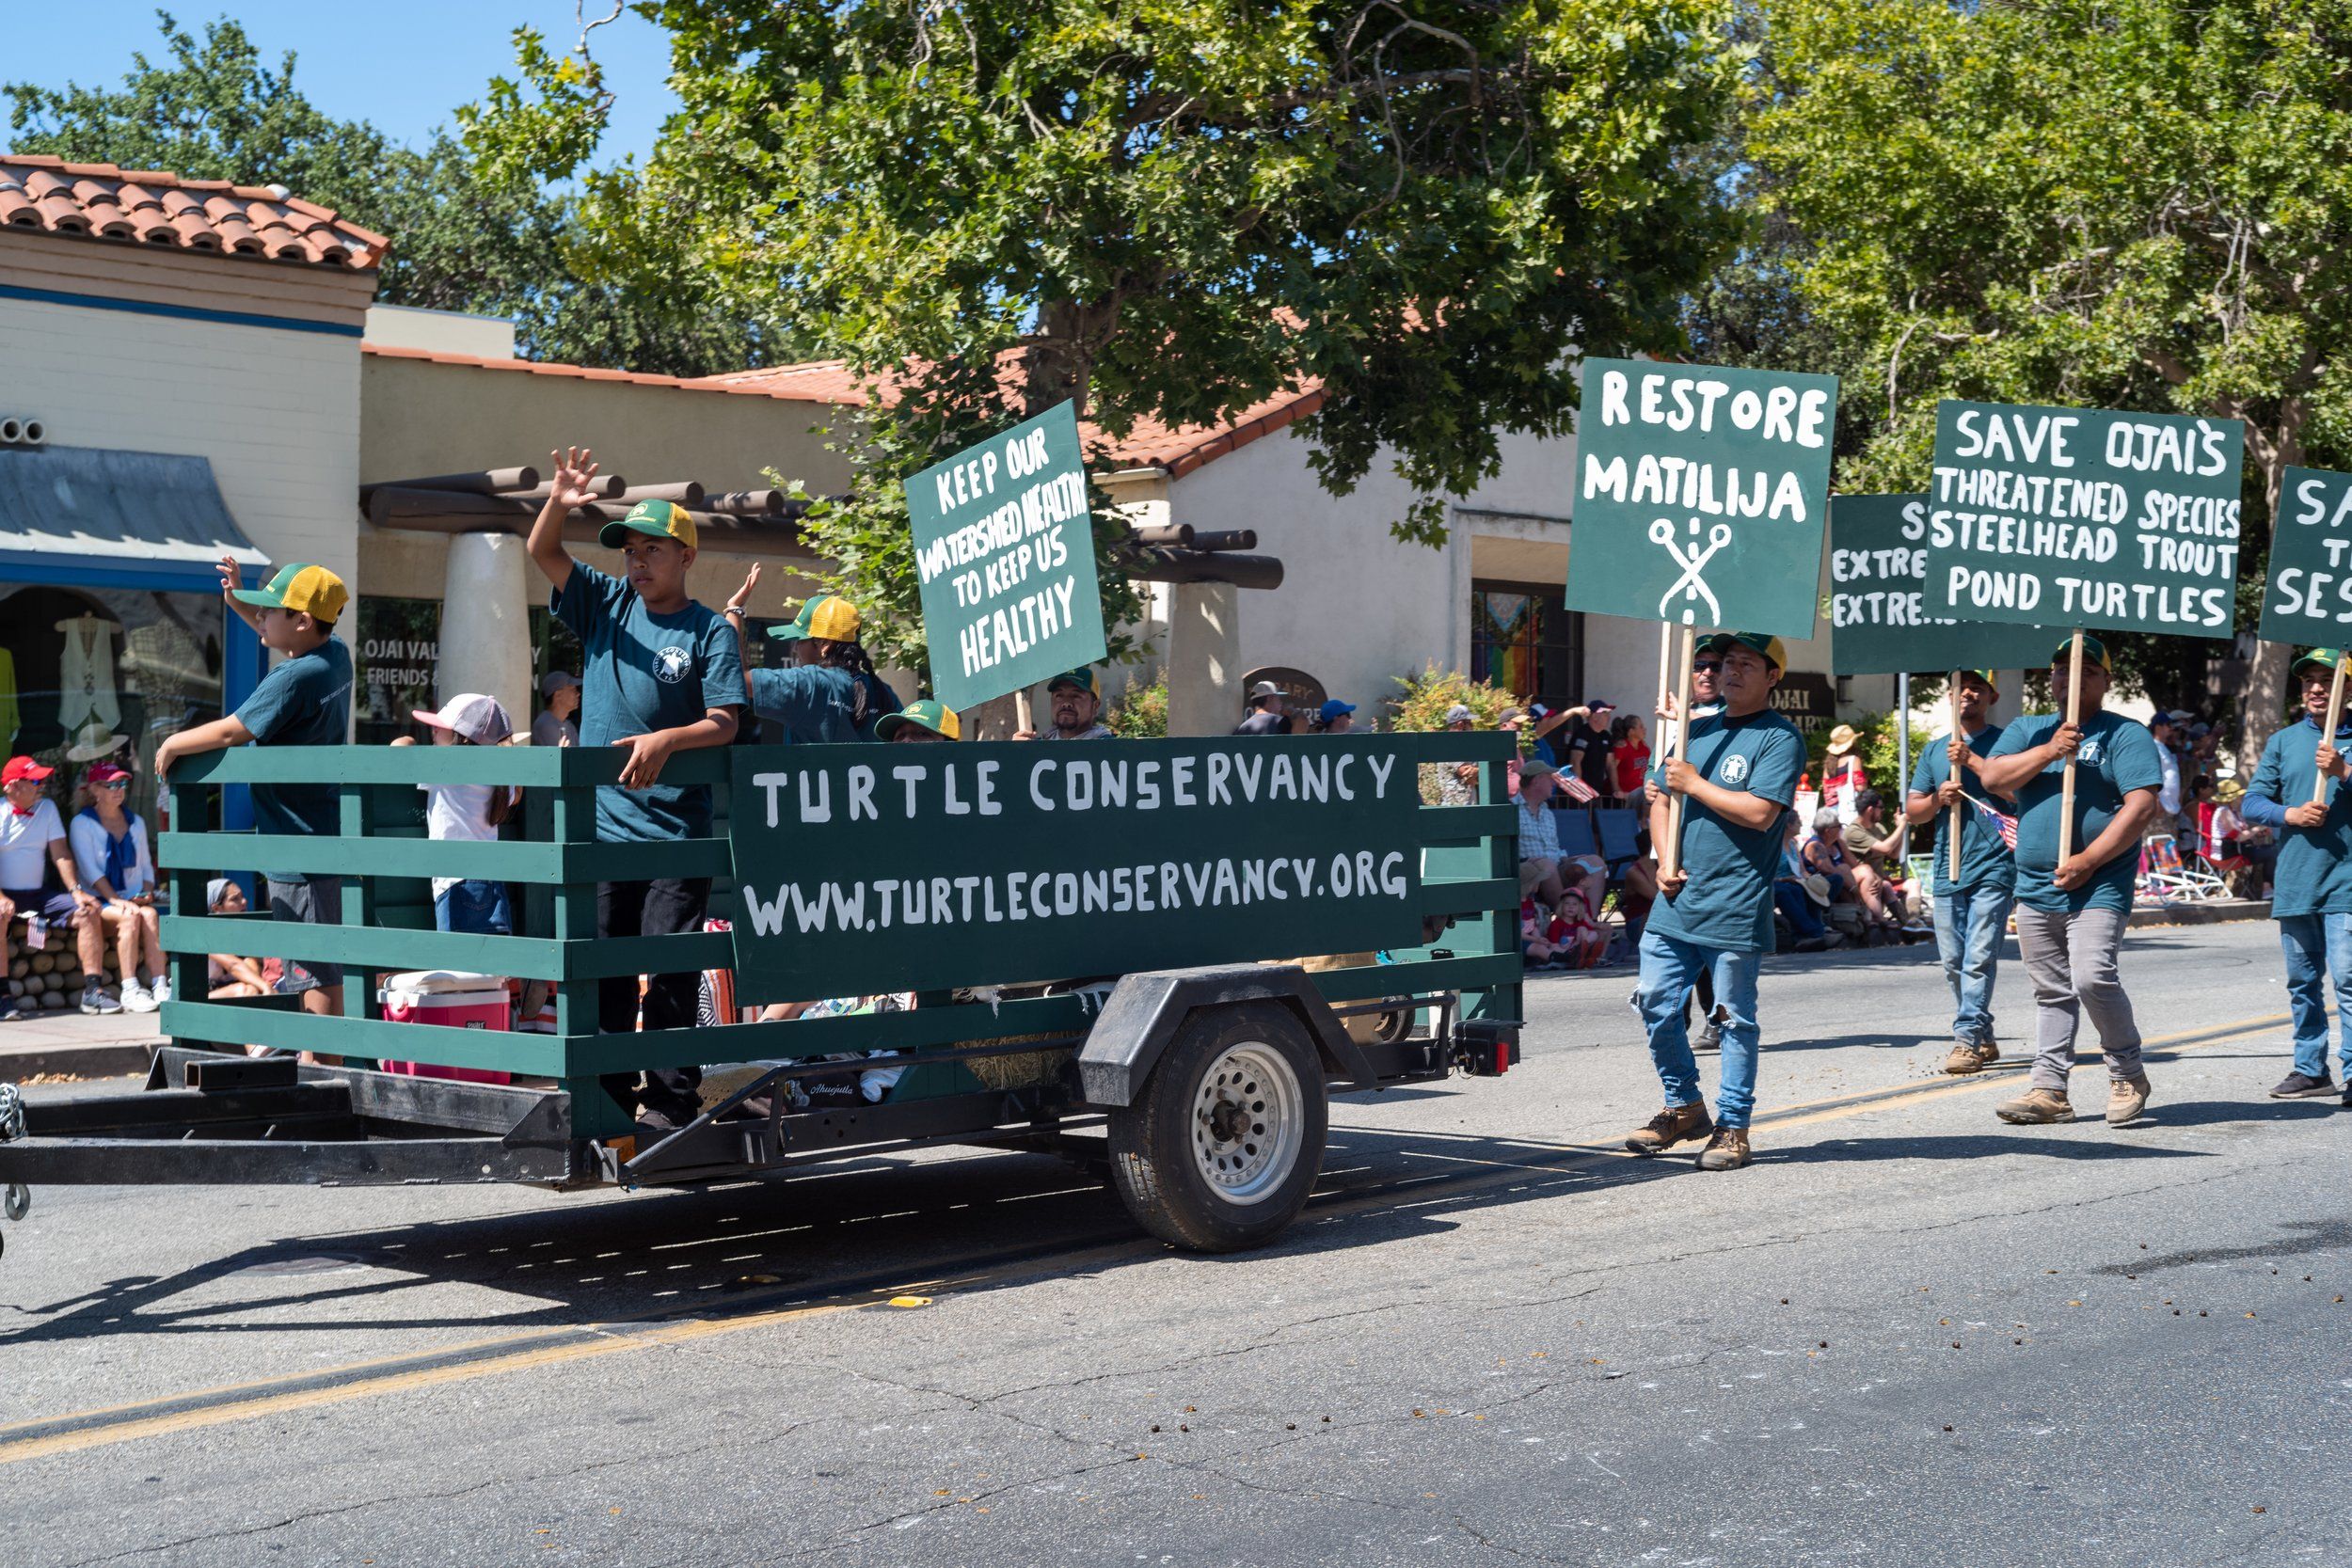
<point x="2313" y="872"/>
<point x="2117" y="755"/>
<point x="1984" y="860"/>
<point x="645" y="672"/>
<point x="1727" y="902"/>
<point x="303" y="701"/>
<point x="816" y="704"/>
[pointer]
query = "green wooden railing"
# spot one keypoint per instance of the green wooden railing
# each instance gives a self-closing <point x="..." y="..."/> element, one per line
<point x="1470" y="870"/>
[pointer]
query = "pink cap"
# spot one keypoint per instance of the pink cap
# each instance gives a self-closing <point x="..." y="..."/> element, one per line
<point x="471" y="716"/>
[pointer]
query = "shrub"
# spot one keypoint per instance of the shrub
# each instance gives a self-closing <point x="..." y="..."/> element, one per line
<point x="1427" y="695"/>
<point x="1142" y="711"/>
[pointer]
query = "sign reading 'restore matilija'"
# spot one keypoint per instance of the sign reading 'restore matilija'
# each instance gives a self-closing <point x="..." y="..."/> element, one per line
<point x="2310" y="596"/>
<point x="993" y="863"/>
<point x="2078" y="517"/>
<point x="1701" y="494"/>
<point x="1880" y="624"/>
<point x="1004" y="551"/>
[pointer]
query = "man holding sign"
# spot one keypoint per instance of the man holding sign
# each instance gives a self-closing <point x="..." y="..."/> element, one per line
<point x="2072" y="910"/>
<point x="1736" y="776"/>
<point x="2295" y="792"/>
<point x="1975" y="888"/>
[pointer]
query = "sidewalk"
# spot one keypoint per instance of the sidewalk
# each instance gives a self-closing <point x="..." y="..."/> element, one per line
<point x="66" y="1042"/>
<point x="2201" y="911"/>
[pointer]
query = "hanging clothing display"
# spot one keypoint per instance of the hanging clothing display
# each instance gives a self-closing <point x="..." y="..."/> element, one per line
<point x="85" y="677"/>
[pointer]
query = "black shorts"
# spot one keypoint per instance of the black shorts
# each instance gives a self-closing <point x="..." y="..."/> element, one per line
<point x="319" y="902"/>
<point x="59" y="908"/>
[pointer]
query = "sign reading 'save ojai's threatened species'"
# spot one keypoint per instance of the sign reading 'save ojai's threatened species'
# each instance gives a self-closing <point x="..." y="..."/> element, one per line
<point x="1004" y="551"/>
<point x="1001" y="862"/>
<point x="1880" y="624"/>
<point x="1701" y="494"/>
<point x="2082" y="517"/>
<point x="2309" y="595"/>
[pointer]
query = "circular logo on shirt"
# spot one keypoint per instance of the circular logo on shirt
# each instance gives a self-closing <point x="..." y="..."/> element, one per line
<point x="1735" y="768"/>
<point x="672" y="664"/>
<point x="2088" y="752"/>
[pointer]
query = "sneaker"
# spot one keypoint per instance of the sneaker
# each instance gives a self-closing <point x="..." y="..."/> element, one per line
<point x="2126" y="1099"/>
<point x="2035" y="1106"/>
<point x="1707" y="1036"/>
<point x="1726" y="1150"/>
<point x="160" y="990"/>
<point x="95" y="999"/>
<point x="9" y="1011"/>
<point x="1674" y="1124"/>
<point x="136" y="999"/>
<point x="2294" y="1085"/>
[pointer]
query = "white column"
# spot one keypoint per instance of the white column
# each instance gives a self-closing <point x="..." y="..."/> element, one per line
<point x="485" y="622"/>
<point x="1203" y="658"/>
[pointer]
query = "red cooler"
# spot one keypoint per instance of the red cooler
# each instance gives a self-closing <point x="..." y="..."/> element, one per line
<point x="455" y="1000"/>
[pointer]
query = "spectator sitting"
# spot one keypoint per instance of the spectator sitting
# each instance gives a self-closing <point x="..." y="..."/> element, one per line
<point x="39" y="879"/>
<point x="559" y="690"/>
<point x="2247" y="851"/>
<point x="111" y="852"/>
<point x="468" y="814"/>
<point x="226" y="974"/>
<point x="1544" y="872"/>
<point x="1800" y="895"/>
<point x="1824" y="856"/>
<point x="1334" y="717"/>
<point x="1870" y="849"/>
<point x="1266" y="712"/>
<point x="1629" y="750"/>
<point x="917" y="722"/>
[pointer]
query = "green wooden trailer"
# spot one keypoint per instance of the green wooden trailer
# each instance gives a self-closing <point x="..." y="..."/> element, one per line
<point x="1200" y="1085"/>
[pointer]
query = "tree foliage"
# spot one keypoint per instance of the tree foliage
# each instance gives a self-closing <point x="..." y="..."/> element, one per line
<point x="2139" y="204"/>
<point x="466" y="235"/>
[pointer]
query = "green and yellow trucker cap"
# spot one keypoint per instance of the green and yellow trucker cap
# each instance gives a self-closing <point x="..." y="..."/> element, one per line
<point x="1986" y="676"/>
<point x="2093" y="650"/>
<point x="1085" y="680"/>
<point x="2327" y="659"/>
<point x="936" y="716"/>
<point x="659" y="519"/>
<point x="1754" y="642"/>
<point x="303" y="589"/>
<point x="828" y="617"/>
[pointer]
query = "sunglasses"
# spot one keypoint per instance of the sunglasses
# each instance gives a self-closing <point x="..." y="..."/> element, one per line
<point x="111" y="783"/>
<point x="1707" y="664"/>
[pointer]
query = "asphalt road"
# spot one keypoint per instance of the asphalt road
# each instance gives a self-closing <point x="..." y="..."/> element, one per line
<point x="1909" y="1334"/>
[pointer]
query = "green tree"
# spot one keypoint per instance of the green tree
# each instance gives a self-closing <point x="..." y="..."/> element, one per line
<point x="2122" y="203"/>
<point x="1174" y="210"/>
<point x="465" y="237"/>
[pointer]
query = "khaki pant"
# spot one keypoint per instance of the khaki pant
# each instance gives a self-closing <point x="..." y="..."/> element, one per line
<point x="2070" y="959"/>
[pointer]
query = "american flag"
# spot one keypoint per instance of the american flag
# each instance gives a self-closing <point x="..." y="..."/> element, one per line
<point x="2003" y="824"/>
<point x="1577" y="790"/>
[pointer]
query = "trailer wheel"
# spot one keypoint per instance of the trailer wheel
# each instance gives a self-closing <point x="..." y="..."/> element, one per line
<point x="1223" y="1143"/>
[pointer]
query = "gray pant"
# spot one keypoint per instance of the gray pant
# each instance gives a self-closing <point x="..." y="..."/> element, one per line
<point x="2070" y="959"/>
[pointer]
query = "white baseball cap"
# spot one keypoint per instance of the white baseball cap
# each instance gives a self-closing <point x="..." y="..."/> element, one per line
<point x="473" y="716"/>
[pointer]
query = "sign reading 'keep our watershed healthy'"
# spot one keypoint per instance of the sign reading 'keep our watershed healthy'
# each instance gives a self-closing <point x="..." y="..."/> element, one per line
<point x="993" y="863"/>
<point x="2082" y="517"/>
<point x="1004" y="549"/>
<point x="1880" y="624"/>
<point x="2310" y="596"/>
<point x="1701" y="494"/>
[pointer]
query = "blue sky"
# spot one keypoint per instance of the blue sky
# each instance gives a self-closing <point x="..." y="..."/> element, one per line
<point x="404" y="64"/>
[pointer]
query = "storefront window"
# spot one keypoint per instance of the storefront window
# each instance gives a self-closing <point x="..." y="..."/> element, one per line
<point x="94" y="673"/>
<point x="1523" y="642"/>
<point x="396" y="655"/>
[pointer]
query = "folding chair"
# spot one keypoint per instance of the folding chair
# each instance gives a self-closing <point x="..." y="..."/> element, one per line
<point x="2169" y="878"/>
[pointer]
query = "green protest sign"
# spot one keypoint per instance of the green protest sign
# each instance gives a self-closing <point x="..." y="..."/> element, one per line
<point x="1701" y="494"/>
<point x="1004" y="551"/>
<point x="1008" y="862"/>
<point x="2309" y="593"/>
<point x="2080" y="517"/>
<point x="1880" y="624"/>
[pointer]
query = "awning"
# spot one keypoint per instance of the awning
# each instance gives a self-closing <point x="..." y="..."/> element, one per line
<point x="76" y="505"/>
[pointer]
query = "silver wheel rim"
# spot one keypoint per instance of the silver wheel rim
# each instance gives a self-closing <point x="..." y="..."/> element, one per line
<point x="1248" y="1119"/>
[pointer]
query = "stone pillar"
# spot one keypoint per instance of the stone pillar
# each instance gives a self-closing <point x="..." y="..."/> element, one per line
<point x="485" y="622"/>
<point x="1203" y="658"/>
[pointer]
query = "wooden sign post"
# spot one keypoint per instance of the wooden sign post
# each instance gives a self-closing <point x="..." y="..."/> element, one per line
<point x="1953" y="835"/>
<point x="2327" y="735"/>
<point x="2074" y="719"/>
<point x="1670" y="852"/>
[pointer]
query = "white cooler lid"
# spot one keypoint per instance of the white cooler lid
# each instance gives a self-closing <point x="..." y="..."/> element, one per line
<point x="428" y="982"/>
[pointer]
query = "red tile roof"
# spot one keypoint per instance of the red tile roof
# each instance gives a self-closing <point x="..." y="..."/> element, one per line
<point x="590" y="372"/>
<point x="1177" y="450"/>
<point x="157" y="207"/>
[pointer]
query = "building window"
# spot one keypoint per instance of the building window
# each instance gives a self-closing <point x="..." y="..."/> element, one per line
<point x="1523" y="642"/>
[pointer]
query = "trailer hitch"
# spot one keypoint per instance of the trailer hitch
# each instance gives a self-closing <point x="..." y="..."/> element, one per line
<point x="16" y="1200"/>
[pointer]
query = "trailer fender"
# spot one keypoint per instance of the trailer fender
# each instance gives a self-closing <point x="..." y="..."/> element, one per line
<point x="1145" y="1010"/>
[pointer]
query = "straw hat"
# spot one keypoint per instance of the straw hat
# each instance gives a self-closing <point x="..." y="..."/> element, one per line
<point x="1842" y="739"/>
<point x="91" y="741"/>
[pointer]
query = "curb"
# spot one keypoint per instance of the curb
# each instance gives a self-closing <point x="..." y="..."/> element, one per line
<point x="2216" y="912"/>
<point x="107" y="1059"/>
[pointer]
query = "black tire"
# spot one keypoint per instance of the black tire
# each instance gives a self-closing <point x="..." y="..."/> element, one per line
<point x="1165" y="1146"/>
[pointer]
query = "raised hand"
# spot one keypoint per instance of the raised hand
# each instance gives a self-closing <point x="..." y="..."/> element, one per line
<point x="741" y="599"/>
<point x="575" y="468"/>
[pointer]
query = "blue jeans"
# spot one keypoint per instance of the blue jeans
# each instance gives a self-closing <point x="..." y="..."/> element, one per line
<point x="478" y="907"/>
<point x="2318" y="949"/>
<point x="1969" y="924"/>
<point x="1793" y="902"/>
<point x="1670" y="967"/>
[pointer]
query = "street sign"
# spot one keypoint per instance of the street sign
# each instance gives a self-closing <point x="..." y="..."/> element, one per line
<point x="989" y="863"/>
<point x="2309" y="595"/>
<point x="1880" y="624"/>
<point x="1701" y="494"/>
<point x="1004" y="551"/>
<point x="2077" y="518"/>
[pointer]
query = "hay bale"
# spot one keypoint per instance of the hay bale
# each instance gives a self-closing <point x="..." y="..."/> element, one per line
<point x="1020" y="1070"/>
<point x="1363" y="1028"/>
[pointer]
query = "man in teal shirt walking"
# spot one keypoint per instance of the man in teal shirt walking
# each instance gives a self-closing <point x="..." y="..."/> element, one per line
<point x="2070" y="913"/>
<point x="1737" y="775"/>
<point x="2312" y="896"/>
<point x="1971" y="909"/>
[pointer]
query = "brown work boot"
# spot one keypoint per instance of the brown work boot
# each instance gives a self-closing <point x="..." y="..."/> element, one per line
<point x="2035" y="1106"/>
<point x="1726" y="1150"/>
<point x="1674" y="1124"/>
<point x="2126" y="1099"/>
<point x="1987" y="1053"/>
<point x="1968" y="1057"/>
